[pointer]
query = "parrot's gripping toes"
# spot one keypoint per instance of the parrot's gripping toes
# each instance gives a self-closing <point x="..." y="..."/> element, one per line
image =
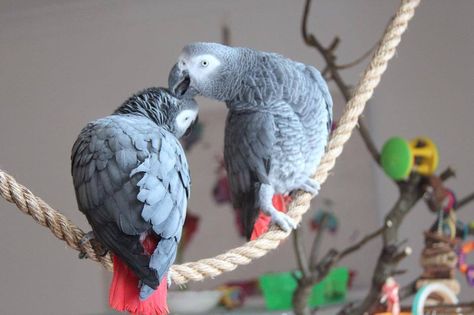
<point x="283" y="220"/>
<point x="311" y="186"/>
<point x="279" y="218"/>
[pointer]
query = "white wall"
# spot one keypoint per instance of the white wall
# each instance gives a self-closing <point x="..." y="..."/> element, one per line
<point x="63" y="63"/>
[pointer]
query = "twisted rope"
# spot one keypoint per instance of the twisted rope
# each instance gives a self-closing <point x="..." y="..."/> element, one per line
<point x="65" y="230"/>
<point x="42" y="213"/>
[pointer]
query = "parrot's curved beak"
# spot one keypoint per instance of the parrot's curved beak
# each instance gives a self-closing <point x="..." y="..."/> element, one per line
<point x="179" y="81"/>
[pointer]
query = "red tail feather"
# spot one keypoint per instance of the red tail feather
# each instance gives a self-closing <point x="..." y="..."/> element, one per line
<point x="124" y="291"/>
<point x="263" y="221"/>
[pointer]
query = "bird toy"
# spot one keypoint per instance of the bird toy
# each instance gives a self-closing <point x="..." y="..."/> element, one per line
<point x="400" y="157"/>
<point x="464" y="267"/>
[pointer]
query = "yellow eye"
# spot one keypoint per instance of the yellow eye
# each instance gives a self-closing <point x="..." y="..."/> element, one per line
<point x="204" y="63"/>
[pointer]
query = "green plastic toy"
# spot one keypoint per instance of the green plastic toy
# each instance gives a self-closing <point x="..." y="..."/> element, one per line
<point x="278" y="289"/>
<point x="400" y="157"/>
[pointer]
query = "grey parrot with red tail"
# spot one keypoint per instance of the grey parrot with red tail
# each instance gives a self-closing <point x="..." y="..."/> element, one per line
<point x="279" y="119"/>
<point x="132" y="182"/>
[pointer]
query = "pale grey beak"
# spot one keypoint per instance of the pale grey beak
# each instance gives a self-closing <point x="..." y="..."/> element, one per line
<point x="178" y="81"/>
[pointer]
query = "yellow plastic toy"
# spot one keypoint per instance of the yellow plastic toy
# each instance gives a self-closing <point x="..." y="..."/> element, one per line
<point x="425" y="154"/>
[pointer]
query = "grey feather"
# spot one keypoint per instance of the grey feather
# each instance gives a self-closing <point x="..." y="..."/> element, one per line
<point x="122" y="166"/>
<point x="280" y="116"/>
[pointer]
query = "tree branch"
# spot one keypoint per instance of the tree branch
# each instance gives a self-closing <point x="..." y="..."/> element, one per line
<point x="333" y="69"/>
<point x="361" y="243"/>
<point x="411" y="192"/>
<point x="447" y="174"/>
<point x="319" y="271"/>
<point x="316" y="243"/>
<point x="301" y="257"/>
<point x="464" y="201"/>
<point x="358" y="60"/>
<point x="408" y="290"/>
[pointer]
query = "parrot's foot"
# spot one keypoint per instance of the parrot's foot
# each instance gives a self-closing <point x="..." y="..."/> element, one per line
<point x="312" y="186"/>
<point x="168" y="280"/>
<point x="279" y="218"/>
<point x="283" y="221"/>
<point x="85" y="239"/>
<point x="145" y="291"/>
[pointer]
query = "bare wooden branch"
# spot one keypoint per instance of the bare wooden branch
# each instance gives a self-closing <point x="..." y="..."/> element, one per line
<point x="411" y="192"/>
<point x="408" y="290"/>
<point x="401" y="255"/>
<point x="361" y="243"/>
<point x="320" y="270"/>
<point x="316" y="243"/>
<point x="447" y="173"/>
<point x="300" y="252"/>
<point x="333" y="70"/>
<point x="358" y="60"/>
<point x="464" y="201"/>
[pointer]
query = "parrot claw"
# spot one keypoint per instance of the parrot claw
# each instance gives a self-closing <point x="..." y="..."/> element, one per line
<point x="312" y="186"/>
<point x="85" y="239"/>
<point x="283" y="221"/>
<point x="279" y="218"/>
<point x="89" y="236"/>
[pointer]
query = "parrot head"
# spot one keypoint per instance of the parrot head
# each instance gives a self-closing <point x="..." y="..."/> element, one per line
<point x="185" y="118"/>
<point x="205" y="69"/>
<point x="176" y="114"/>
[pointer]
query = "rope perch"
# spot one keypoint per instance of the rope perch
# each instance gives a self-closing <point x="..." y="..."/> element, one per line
<point x="65" y="230"/>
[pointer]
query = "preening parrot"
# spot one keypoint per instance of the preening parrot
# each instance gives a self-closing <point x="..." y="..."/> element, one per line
<point x="132" y="182"/>
<point x="277" y="127"/>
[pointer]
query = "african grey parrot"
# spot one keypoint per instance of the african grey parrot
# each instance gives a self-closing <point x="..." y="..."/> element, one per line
<point x="132" y="182"/>
<point x="277" y="127"/>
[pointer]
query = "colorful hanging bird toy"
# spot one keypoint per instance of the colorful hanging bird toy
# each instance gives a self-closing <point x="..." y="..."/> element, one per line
<point x="390" y="296"/>
<point x="443" y="202"/>
<point x="464" y="267"/>
<point x="325" y="218"/>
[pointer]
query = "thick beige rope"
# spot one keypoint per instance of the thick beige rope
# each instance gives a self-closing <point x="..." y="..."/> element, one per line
<point x="42" y="213"/>
<point x="65" y="230"/>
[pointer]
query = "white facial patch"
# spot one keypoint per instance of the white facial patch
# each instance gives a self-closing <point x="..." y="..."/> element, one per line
<point x="201" y="66"/>
<point x="184" y="120"/>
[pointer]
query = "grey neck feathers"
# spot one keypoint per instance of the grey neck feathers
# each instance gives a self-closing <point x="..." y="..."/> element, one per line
<point x="153" y="103"/>
<point x="245" y="61"/>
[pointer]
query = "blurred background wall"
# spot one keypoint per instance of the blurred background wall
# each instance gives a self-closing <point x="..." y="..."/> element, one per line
<point x="64" y="63"/>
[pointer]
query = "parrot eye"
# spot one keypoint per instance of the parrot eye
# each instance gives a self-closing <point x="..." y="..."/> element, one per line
<point x="204" y="63"/>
